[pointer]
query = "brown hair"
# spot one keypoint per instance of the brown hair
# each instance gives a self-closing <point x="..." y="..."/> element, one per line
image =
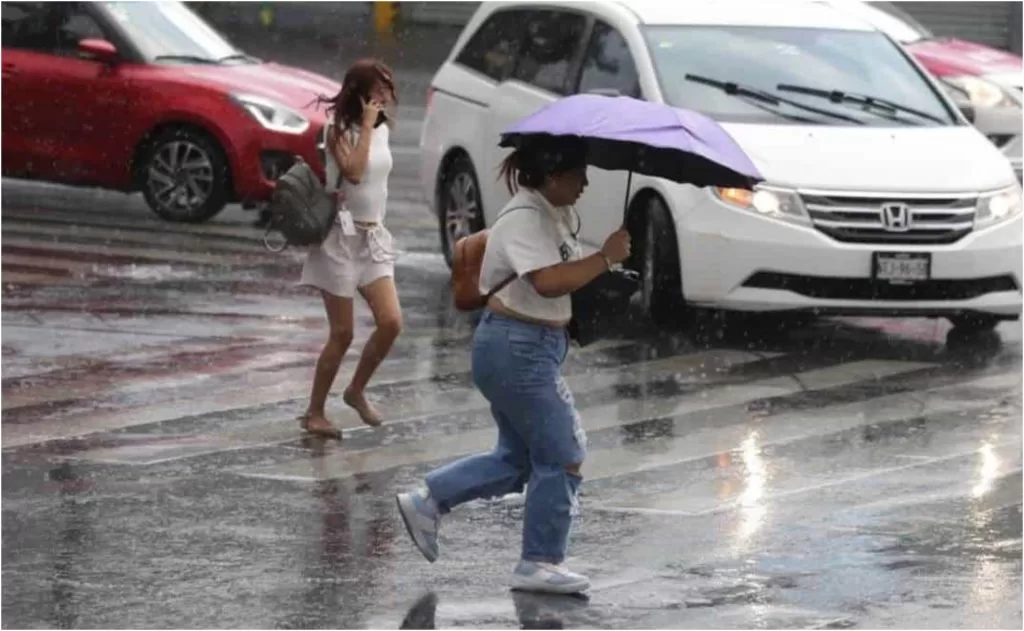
<point x="533" y="161"/>
<point x="346" y="107"/>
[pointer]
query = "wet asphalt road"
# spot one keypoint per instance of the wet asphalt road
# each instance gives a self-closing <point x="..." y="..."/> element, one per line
<point x="846" y="473"/>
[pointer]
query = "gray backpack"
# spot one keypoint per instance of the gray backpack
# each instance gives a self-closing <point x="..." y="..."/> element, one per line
<point x="300" y="207"/>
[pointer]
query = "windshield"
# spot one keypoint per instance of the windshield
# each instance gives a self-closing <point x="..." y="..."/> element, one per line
<point x="762" y="58"/>
<point x="169" y="31"/>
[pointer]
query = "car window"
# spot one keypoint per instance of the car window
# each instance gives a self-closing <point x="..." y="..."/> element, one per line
<point x="608" y="64"/>
<point x="14" y="15"/>
<point x="53" y="28"/>
<point x="493" y="49"/>
<point x="552" y="41"/>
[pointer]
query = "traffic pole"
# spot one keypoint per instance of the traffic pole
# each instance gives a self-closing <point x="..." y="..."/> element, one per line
<point x="384" y="14"/>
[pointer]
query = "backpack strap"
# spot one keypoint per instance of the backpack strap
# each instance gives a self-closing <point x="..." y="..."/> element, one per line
<point x="505" y="281"/>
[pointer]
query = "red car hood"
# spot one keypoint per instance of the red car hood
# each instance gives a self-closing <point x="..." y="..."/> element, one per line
<point x="947" y="57"/>
<point x="293" y="87"/>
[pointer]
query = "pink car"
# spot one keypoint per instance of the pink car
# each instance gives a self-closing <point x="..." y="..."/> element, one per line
<point x="987" y="79"/>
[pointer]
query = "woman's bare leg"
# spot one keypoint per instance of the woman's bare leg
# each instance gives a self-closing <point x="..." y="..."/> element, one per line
<point x="340" y="320"/>
<point x="382" y="297"/>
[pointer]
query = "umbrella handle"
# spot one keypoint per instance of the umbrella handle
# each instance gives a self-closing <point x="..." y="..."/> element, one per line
<point x="625" y="204"/>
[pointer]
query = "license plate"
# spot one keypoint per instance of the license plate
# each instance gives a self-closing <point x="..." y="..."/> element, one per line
<point x="902" y="267"/>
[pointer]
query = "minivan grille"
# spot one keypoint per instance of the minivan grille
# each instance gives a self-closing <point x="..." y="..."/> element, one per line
<point x="903" y="219"/>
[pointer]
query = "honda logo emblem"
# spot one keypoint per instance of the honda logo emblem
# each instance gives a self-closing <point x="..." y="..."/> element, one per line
<point x="896" y="217"/>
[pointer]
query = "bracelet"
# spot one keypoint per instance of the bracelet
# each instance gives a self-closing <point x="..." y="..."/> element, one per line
<point x="607" y="261"/>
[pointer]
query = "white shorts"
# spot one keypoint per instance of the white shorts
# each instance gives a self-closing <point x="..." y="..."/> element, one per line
<point x="344" y="264"/>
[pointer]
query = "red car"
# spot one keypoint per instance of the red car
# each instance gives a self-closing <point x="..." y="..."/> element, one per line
<point x="146" y="96"/>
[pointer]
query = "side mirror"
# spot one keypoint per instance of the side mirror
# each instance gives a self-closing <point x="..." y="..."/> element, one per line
<point x="98" y="49"/>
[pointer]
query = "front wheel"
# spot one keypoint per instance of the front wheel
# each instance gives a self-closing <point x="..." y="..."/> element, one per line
<point x="460" y="211"/>
<point x="184" y="176"/>
<point x="656" y="258"/>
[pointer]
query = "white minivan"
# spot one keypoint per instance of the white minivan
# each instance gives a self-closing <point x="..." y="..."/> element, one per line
<point x="880" y="198"/>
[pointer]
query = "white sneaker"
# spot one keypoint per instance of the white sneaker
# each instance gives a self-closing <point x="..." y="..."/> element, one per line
<point x="533" y="576"/>
<point x="422" y="520"/>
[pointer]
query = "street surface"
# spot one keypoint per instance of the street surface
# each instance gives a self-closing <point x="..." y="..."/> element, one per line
<point x="845" y="473"/>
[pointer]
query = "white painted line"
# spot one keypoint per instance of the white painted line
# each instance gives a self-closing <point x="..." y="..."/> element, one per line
<point x="429" y="449"/>
<point x="419" y="405"/>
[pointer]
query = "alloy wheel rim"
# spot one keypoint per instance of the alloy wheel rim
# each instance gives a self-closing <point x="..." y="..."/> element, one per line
<point x="461" y="209"/>
<point x="180" y="177"/>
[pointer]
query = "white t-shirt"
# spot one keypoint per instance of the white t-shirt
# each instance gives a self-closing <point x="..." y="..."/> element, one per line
<point x="533" y="235"/>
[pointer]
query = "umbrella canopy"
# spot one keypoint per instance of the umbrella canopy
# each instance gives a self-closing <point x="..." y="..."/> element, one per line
<point x="627" y="134"/>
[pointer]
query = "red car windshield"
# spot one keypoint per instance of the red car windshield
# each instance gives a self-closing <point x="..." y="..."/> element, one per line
<point x="170" y="31"/>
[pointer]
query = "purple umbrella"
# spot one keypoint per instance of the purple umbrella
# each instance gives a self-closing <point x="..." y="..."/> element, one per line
<point x="627" y="134"/>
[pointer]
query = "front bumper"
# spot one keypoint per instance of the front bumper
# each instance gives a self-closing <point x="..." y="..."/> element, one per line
<point x="735" y="259"/>
<point x="263" y="155"/>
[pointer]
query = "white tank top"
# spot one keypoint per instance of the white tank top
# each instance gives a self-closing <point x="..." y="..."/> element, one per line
<point x="368" y="199"/>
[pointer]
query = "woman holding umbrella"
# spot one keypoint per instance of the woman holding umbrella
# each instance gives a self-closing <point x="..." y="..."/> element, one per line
<point x="532" y="263"/>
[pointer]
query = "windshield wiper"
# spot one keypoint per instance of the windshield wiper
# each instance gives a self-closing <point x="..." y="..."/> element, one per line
<point x="838" y="96"/>
<point x="238" y="57"/>
<point x="735" y="89"/>
<point x="193" y="58"/>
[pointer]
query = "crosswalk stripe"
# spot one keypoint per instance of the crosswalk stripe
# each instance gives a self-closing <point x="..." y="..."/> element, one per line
<point x="429" y="449"/>
<point x="254" y="390"/>
<point x="130" y="222"/>
<point x="140" y="235"/>
<point x="211" y="365"/>
<point x="71" y="267"/>
<point x="777" y="430"/>
<point x="141" y="252"/>
<point x="812" y="488"/>
<point x="37" y="278"/>
<point x="450" y="400"/>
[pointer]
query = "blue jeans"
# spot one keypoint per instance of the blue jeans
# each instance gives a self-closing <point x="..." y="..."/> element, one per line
<point x="517" y="367"/>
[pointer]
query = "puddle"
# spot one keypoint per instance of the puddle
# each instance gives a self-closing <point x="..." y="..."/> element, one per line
<point x="144" y="272"/>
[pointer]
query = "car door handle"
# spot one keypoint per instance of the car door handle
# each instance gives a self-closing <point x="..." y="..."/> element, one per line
<point x="9" y="70"/>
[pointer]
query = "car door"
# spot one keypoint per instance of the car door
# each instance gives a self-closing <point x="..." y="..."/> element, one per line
<point x="545" y="67"/>
<point x="78" y="106"/>
<point x="96" y="128"/>
<point x="22" y="93"/>
<point x="608" y="67"/>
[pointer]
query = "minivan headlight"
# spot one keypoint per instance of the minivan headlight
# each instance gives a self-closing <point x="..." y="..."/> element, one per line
<point x="998" y="206"/>
<point x="771" y="202"/>
<point x="272" y="115"/>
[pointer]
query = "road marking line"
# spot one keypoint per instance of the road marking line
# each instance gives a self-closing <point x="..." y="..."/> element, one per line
<point x="263" y="389"/>
<point x="140" y="253"/>
<point x="417" y="405"/>
<point x="434" y="448"/>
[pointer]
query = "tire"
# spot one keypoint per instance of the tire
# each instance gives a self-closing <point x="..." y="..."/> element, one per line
<point x="656" y="257"/>
<point x="184" y="176"/>
<point x="460" y="209"/>
<point x="975" y="322"/>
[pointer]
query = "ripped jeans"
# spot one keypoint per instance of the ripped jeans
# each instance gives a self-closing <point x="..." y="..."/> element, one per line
<point x="517" y="366"/>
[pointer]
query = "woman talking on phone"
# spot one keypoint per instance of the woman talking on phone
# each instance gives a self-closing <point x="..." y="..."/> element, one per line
<point x="534" y="260"/>
<point x="357" y="255"/>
